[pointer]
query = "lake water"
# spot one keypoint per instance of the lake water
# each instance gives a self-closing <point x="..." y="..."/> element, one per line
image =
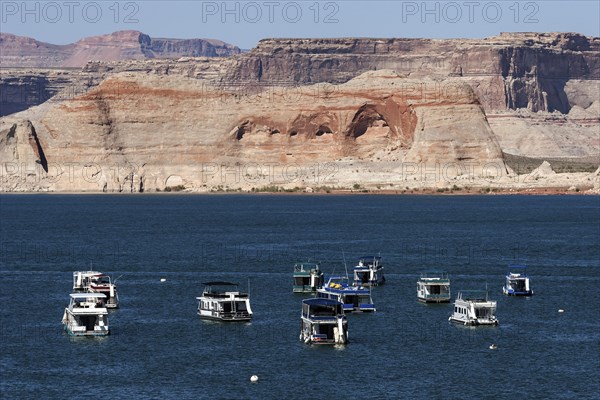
<point x="160" y="349"/>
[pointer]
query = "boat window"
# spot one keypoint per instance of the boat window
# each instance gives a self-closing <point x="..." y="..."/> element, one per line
<point x="324" y="311"/>
<point x="240" y="306"/>
<point x="226" y="307"/>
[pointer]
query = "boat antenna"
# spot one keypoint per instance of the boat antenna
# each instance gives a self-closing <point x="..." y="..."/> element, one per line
<point x="248" y="287"/>
<point x="345" y="266"/>
<point x="115" y="281"/>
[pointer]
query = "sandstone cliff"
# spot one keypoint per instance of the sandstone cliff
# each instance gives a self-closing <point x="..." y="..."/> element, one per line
<point x="139" y="132"/>
<point x="293" y="112"/>
<point x="513" y="70"/>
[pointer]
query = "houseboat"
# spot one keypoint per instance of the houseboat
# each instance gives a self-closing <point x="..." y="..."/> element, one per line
<point x="354" y="298"/>
<point x="86" y="315"/>
<point x="102" y="284"/>
<point x="323" y="322"/>
<point x="474" y="308"/>
<point x="433" y="287"/>
<point x="222" y="301"/>
<point x="83" y="279"/>
<point x="308" y="277"/>
<point x="517" y="282"/>
<point x="96" y="282"/>
<point x="369" y="271"/>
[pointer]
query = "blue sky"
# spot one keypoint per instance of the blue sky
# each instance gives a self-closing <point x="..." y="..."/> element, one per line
<point x="243" y="23"/>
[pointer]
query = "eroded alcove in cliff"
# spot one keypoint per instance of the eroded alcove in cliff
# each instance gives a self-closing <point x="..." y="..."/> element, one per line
<point x="317" y="125"/>
<point x="383" y="121"/>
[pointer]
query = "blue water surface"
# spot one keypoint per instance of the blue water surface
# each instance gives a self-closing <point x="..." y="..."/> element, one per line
<point x="160" y="349"/>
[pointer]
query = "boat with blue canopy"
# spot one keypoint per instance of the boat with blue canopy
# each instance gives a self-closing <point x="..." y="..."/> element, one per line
<point x="517" y="282"/>
<point x="353" y="297"/>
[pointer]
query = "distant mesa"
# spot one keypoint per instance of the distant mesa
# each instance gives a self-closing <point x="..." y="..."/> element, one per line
<point x="21" y="51"/>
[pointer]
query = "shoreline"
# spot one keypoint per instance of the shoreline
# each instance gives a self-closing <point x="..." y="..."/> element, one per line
<point x="542" y="191"/>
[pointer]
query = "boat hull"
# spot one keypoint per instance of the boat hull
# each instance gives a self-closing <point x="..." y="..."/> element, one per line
<point x="349" y="308"/>
<point x="86" y="333"/>
<point x="240" y="318"/>
<point x="510" y="292"/>
<point x="423" y="300"/>
<point x="474" y="322"/>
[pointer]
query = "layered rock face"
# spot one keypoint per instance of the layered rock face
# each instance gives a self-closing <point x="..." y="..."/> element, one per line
<point x="34" y="72"/>
<point x="18" y="51"/>
<point x="540" y="91"/>
<point x="137" y="132"/>
<point x="293" y="112"/>
<point x="513" y="70"/>
<point x="22" y="88"/>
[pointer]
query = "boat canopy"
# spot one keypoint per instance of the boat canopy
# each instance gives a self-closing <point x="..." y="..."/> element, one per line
<point x="88" y="295"/>
<point x="369" y="258"/>
<point x="321" y="302"/>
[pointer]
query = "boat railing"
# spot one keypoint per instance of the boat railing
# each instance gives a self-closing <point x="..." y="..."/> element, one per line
<point x="225" y="295"/>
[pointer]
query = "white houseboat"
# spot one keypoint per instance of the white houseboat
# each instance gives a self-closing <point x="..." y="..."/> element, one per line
<point x="308" y="277"/>
<point x="102" y="284"/>
<point x="369" y="271"/>
<point x="222" y="301"/>
<point x="474" y="308"/>
<point x="517" y="282"/>
<point x="86" y="315"/>
<point x="433" y="287"/>
<point x="323" y="322"/>
<point x="96" y="282"/>
<point x="354" y="298"/>
<point x="82" y="280"/>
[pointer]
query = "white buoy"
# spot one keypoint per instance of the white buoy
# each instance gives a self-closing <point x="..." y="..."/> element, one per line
<point x="493" y="347"/>
<point x="254" y="378"/>
<point x="163" y="279"/>
<point x="561" y="310"/>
